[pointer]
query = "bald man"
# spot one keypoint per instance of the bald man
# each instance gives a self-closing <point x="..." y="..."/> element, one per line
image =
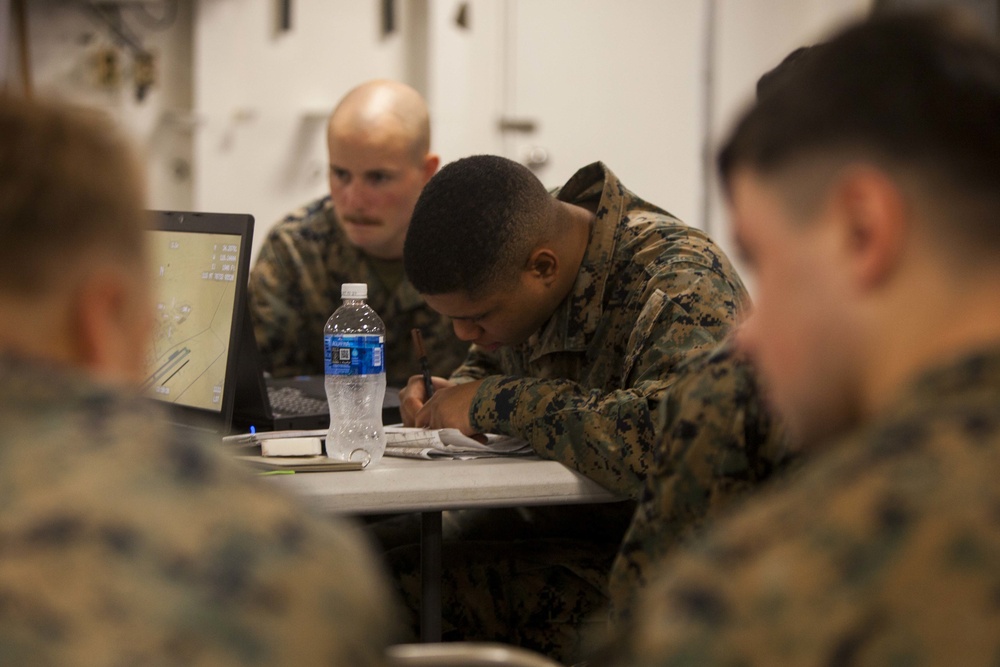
<point x="378" y="139"/>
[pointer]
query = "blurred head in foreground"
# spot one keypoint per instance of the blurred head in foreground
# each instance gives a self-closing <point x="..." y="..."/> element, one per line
<point x="864" y="188"/>
<point x="73" y="284"/>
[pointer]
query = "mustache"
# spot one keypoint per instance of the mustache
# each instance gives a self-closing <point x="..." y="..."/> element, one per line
<point x="361" y="220"/>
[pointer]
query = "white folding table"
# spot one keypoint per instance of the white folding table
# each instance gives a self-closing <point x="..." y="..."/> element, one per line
<point x="430" y="487"/>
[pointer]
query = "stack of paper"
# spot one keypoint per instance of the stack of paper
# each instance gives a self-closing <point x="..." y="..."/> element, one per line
<point x="449" y="443"/>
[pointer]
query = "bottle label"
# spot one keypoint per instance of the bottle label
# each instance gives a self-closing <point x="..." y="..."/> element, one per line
<point x="353" y="355"/>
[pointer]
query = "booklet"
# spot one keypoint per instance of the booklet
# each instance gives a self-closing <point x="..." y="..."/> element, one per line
<point x="320" y="463"/>
<point x="450" y="443"/>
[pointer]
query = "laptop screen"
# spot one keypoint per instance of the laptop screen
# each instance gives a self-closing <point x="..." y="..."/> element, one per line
<point x="200" y="264"/>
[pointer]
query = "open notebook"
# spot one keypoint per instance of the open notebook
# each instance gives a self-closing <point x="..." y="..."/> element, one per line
<point x="450" y="443"/>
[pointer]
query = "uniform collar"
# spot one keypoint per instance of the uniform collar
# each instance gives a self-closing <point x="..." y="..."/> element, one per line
<point x="26" y="381"/>
<point x="967" y="373"/>
<point x="575" y="320"/>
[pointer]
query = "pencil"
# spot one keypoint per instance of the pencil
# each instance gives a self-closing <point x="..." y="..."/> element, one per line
<point x="418" y="343"/>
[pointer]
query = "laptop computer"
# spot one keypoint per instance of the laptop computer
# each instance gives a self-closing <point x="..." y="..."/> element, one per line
<point x="205" y="360"/>
<point x="200" y="262"/>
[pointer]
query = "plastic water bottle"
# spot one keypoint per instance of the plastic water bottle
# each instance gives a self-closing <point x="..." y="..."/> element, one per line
<point x="354" y="350"/>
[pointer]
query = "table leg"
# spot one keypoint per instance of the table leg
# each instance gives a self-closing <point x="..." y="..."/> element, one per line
<point x="430" y="576"/>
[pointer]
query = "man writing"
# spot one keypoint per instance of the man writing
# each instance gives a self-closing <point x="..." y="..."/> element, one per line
<point x="378" y="139"/>
<point x="127" y="540"/>
<point x="580" y="307"/>
<point x="865" y="192"/>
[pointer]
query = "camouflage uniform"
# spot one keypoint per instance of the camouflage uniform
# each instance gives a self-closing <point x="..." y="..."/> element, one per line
<point x="126" y="541"/>
<point x="883" y="550"/>
<point x="716" y="443"/>
<point x="650" y="293"/>
<point x="295" y="287"/>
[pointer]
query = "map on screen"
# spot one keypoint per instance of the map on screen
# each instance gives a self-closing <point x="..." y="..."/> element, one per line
<point x="194" y="287"/>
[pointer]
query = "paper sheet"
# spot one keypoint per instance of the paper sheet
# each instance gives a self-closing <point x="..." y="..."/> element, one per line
<point x="449" y="443"/>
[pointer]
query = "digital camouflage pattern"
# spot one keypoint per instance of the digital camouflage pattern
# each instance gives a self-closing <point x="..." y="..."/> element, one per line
<point x="717" y="443"/>
<point x="882" y="550"/>
<point x="295" y="287"/>
<point x="126" y="541"/>
<point x="651" y="292"/>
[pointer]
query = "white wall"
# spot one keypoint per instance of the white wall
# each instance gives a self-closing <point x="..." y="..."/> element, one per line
<point x="237" y="119"/>
<point x="465" y="70"/>
<point x="64" y="43"/>
<point x="262" y="96"/>
<point x="597" y="79"/>
<point x="617" y="82"/>
<point x="752" y="36"/>
<point x="648" y="86"/>
<point x="623" y="82"/>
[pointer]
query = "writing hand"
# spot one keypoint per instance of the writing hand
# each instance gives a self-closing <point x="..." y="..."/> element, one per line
<point x="449" y="407"/>
<point x="412" y="397"/>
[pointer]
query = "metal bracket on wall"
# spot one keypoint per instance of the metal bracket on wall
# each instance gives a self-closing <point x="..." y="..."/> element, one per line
<point x="523" y="125"/>
<point x="284" y="15"/>
<point x="388" y="17"/>
<point x="109" y="14"/>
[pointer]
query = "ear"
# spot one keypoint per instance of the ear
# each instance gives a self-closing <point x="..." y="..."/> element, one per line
<point x="875" y="217"/>
<point x="431" y="163"/>
<point x="101" y="318"/>
<point x="543" y="264"/>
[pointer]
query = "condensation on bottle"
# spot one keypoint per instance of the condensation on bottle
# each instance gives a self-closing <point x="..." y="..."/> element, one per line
<point x="354" y="353"/>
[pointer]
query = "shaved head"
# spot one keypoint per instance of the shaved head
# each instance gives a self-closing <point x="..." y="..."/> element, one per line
<point x="379" y="143"/>
<point x="384" y="112"/>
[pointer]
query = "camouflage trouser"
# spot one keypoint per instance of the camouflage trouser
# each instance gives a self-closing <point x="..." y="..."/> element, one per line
<point x="544" y="594"/>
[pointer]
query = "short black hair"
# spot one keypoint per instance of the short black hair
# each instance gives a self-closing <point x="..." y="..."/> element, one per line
<point x="913" y="91"/>
<point x="474" y="226"/>
<point x="771" y="79"/>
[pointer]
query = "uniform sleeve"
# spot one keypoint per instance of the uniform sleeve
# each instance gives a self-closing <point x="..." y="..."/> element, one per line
<point x="478" y="364"/>
<point x="608" y="437"/>
<point x="277" y="302"/>
<point x="278" y="584"/>
<point x="877" y="551"/>
<point x="159" y="548"/>
<point x="716" y="443"/>
<point x="864" y="568"/>
<point x="285" y="585"/>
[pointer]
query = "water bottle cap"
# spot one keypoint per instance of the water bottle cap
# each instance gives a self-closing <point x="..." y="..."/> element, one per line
<point x="354" y="291"/>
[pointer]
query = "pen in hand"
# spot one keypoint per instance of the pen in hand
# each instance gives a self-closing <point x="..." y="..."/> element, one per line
<point x="418" y="343"/>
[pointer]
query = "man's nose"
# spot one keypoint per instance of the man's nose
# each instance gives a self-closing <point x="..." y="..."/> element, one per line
<point x="355" y="196"/>
<point x="466" y="330"/>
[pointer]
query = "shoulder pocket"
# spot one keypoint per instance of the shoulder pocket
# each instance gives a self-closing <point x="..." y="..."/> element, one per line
<point x="644" y="325"/>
